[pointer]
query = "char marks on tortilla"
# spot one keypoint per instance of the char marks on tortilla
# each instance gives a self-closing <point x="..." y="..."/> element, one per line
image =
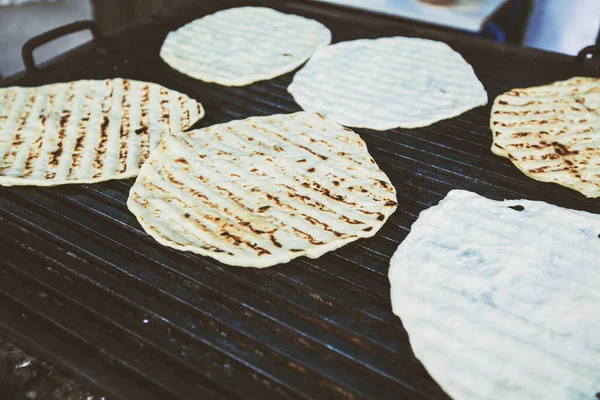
<point x="262" y="191"/>
<point x="552" y="132"/>
<point x="86" y="131"/>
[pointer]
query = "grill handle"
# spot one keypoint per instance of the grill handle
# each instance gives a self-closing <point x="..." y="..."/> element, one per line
<point x="581" y="58"/>
<point x="43" y="38"/>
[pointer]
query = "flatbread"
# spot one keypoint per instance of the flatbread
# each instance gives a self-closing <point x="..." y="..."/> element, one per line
<point x="501" y="303"/>
<point x="86" y="131"/>
<point x="239" y="46"/>
<point x="552" y="132"/>
<point x="388" y="83"/>
<point x="262" y="191"/>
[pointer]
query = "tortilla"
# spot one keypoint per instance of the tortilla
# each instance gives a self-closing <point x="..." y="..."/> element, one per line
<point x="262" y="191"/>
<point x="552" y="132"/>
<point x="239" y="46"/>
<point x="388" y="83"/>
<point x="500" y="299"/>
<point x="86" y="131"/>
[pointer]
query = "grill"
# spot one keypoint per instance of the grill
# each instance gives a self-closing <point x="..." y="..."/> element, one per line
<point x="83" y="286"/>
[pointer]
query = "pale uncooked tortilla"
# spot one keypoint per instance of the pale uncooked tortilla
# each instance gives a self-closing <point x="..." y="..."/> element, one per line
<point x="500" y="303"/>
<point x="239" y="46"/>
<point x="552" y="132"/>
<point x="388" y="83"/>
<point x="262" y="191"/>
<point x="86" y="131"/>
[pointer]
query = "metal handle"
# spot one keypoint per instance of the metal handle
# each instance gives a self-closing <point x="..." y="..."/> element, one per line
<point x="37" y="41"/>
<point x="579" y="62"/>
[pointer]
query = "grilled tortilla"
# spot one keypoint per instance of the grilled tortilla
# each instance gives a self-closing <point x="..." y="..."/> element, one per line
<point x="262" y="191"/>
<point x="86" y="131"/>
<point x="552" y="132"/>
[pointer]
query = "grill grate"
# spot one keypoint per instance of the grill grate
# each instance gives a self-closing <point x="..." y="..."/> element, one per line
<point x="83" y="285"/>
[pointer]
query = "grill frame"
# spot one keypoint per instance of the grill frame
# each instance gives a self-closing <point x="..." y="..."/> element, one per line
<point x="78" y="276"/>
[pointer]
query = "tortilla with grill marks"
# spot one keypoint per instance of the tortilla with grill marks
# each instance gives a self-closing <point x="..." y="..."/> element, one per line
<point x="262" y="191"/>
<point x="552" y="132"/>
<point x="86" y="131"/>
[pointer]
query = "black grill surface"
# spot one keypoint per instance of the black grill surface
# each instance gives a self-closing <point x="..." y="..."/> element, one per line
<point x="84" y="286"/>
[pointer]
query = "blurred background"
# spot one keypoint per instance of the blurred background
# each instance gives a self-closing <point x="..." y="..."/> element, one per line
<point x="564" y="26"/>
